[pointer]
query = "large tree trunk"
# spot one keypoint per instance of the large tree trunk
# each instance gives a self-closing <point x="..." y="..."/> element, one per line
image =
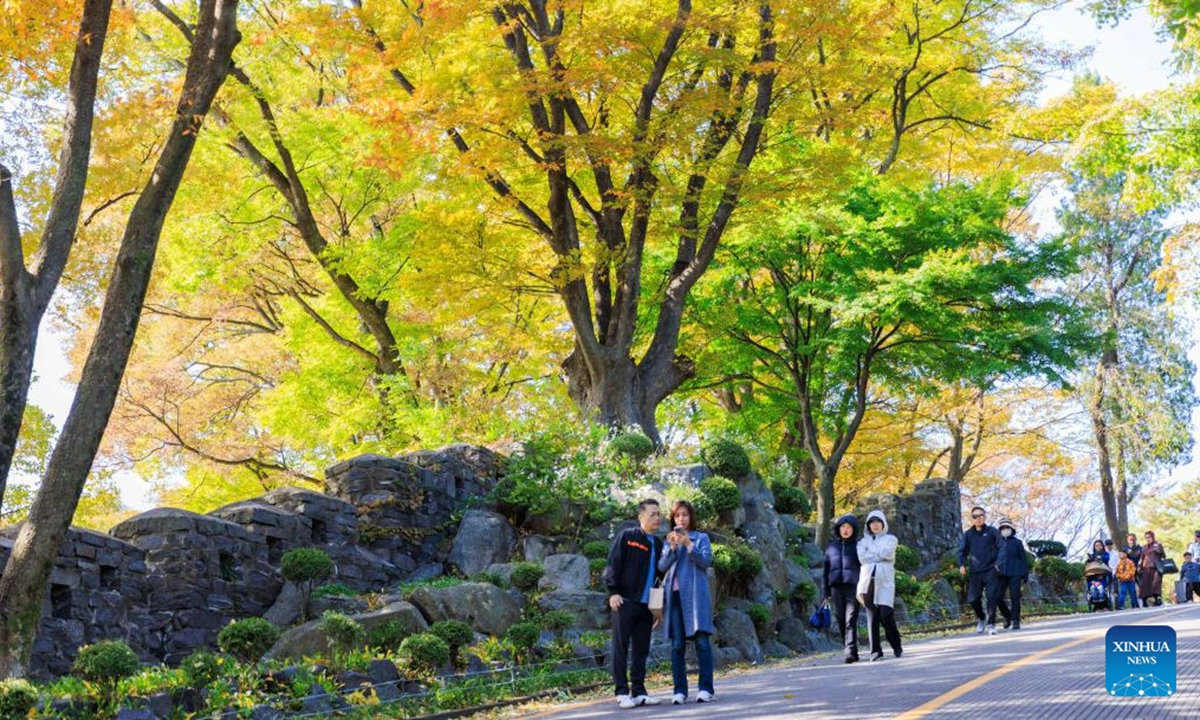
<point x="616" y="393"/>
<point x="825" y="502"/>
<point x="23" y="584"/>
<point x="25" y="295"/>
<point x="1113" y="514"/>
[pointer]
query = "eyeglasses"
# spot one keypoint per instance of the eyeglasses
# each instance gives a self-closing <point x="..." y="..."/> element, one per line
<point x="978" y="515"/>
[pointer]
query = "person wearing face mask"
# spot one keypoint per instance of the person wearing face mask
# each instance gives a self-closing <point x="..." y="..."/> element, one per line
<point x="1012" y="569"/>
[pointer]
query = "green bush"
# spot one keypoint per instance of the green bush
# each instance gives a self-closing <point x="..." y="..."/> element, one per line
<point x="1058" y="571"/>
<point x="492" y="578"/>
<point x="722" y="492"/>
<point x="106" y="662"/>
<point x="342" y="631"/>
<point x="631" y="444"/>
<point x="201" y="669"/>
<point x="736" y="565"/>
<point x="247" y="639"/>
<point x="335" y="590"/>
<point x="597" y="565"/>
<point x="596" y="549"/>
<point x="1047" y="548"/>
<point x="525" y="576"/>
<point x="17" y="698"/>
<point x="805" y="592"/>
<point x="455" y="633"/>
<point x="918" y="596"/>
<point x="907" y="559"/>
<point x="557" y="621"/>
<point x="524" y="637"/>
<point x="726" y="457"/>
<point x="304" y="565"/>
<point x="424" y="653"/>
<point x="790" y="500"/>
<point x="760" y="616"/>
<point x="906" y="585"/>
<point x="387" y="636"/>
<point x="705" y="510"/>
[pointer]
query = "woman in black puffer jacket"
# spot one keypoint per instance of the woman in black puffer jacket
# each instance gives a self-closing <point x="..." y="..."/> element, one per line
<point x="841" y="580"/>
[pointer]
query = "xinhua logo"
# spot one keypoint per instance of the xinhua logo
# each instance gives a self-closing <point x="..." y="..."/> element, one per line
<point x="1139" y="660"/>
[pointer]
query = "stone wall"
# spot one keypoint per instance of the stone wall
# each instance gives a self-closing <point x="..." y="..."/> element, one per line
<point x="927" y="520"/>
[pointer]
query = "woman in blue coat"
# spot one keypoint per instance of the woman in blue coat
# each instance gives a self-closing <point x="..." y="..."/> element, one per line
<point x="686" y="558"/>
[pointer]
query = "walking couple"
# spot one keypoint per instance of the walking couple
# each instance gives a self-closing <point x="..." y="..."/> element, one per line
<point x="637" y="560"/>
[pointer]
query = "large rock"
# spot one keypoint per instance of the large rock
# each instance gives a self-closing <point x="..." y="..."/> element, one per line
<point x="588" y="607"/>
<point x="288" y="607"/>
<point x="307" y="640"/>
<point x="927" y="520"/>
<point x="764" y="535"/>
<point x="691" y="475"/>
<point x="566" y="572"/>
<point x="814" y="554"/>
<point x="536" y="548"/>
<point x="484" y="538"/>
<point x="735" y="629"/>
<point x="483" y="606"/>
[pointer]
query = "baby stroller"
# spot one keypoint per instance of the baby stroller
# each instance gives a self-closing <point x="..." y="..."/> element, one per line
<point x="1095" y="577"/>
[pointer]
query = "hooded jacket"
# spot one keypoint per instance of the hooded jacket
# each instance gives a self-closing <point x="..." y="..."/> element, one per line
<point x="841" y="556"/>
<point x="878" y="556"/>
<point x="1011" y="560"/>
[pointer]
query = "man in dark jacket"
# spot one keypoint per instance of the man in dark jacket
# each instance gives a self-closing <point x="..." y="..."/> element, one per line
<point x="978" y="547"/>
<point x="1012" y="569"/>
<point x="841" y="581"/>
<point x="631" y="571"/>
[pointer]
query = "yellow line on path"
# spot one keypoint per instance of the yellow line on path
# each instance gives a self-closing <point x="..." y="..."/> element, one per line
<point x="952" y="695"/>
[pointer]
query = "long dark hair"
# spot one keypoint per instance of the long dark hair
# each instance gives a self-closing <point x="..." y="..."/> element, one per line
<point x="684" y="504"/>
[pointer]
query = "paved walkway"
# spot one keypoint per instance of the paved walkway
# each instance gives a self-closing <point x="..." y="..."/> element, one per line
<point x="1052" y="669"/>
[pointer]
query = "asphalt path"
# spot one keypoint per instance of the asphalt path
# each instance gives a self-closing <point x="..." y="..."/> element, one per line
<point x="1052" y="669"/>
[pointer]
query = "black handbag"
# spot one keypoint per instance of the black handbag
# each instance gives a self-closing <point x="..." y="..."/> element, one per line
<point x="1166" y="566"/>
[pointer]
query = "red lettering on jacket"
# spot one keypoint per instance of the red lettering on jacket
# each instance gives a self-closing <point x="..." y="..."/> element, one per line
<point x="637" y="545"/>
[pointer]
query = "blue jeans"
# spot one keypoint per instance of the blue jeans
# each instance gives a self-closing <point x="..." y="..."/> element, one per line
<point x="679" y="651"/>
<point x="1130" y="588"/>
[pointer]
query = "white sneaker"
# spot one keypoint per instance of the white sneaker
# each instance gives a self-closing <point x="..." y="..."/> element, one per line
<point x="625" y="702"/>
<point x="979" y="627"/>
<point x="704" y="696"/>
<point x="647" y="700"/>
<point x="991" y="630"/>
<point x="678" y="699"/>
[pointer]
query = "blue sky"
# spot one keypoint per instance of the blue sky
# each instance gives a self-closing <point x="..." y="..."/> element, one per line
<point x="1130" y="55"/>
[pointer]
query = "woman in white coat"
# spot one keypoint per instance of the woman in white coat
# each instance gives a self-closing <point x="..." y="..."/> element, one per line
<point x="877" y="583"/>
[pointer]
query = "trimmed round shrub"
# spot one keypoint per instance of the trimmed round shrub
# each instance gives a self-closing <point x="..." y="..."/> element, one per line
<point x="736" y="565"/>
<point x="303" y="565"/>
<point x="705" y="510"/>
<point x="424" y="653"/>
<point x="557" y="621"/>
<point x="1047" y="548"/>
<point x="907" y="559"/>
<point x="201" y="669"/>
<point x="387" y="636"/>
<point x="247" y="639"/>
<point x="17" y="698"/>
<point x="456" y="634"/>
<point x="722" y="492"/>
<point x="726" y="457"/>
<point x="1058" y="571"/>
<point x="790" y="500"/>
<point x="525" y="576"/>
<point x="596" y="549"/>
<point x="106" y="661"/>
<point x="342" y="631"/>
<point x="631" y="444"/>
<point x="524" y="636"/>
<point x="597" y="565"/>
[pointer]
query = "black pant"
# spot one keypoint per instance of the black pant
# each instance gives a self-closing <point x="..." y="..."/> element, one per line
<point x="1000" y="583"/>
<point x="632" y="623"/>
<point x="979" y="584"/>
<point x="884" y="614"/>
<point x="844" y="606"/>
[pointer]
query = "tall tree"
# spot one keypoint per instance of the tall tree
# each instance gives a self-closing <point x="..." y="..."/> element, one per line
<point x="888" y="286"/>
<point x="1138" y="387"/>
<point x="23" y="583"/>
<point x="25" y="294"/>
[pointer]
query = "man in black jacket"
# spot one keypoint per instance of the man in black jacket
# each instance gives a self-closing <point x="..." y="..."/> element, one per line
<point x="841" y="581"/>
<point x="631" y="571"/>
<point x="979" y="544"/>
